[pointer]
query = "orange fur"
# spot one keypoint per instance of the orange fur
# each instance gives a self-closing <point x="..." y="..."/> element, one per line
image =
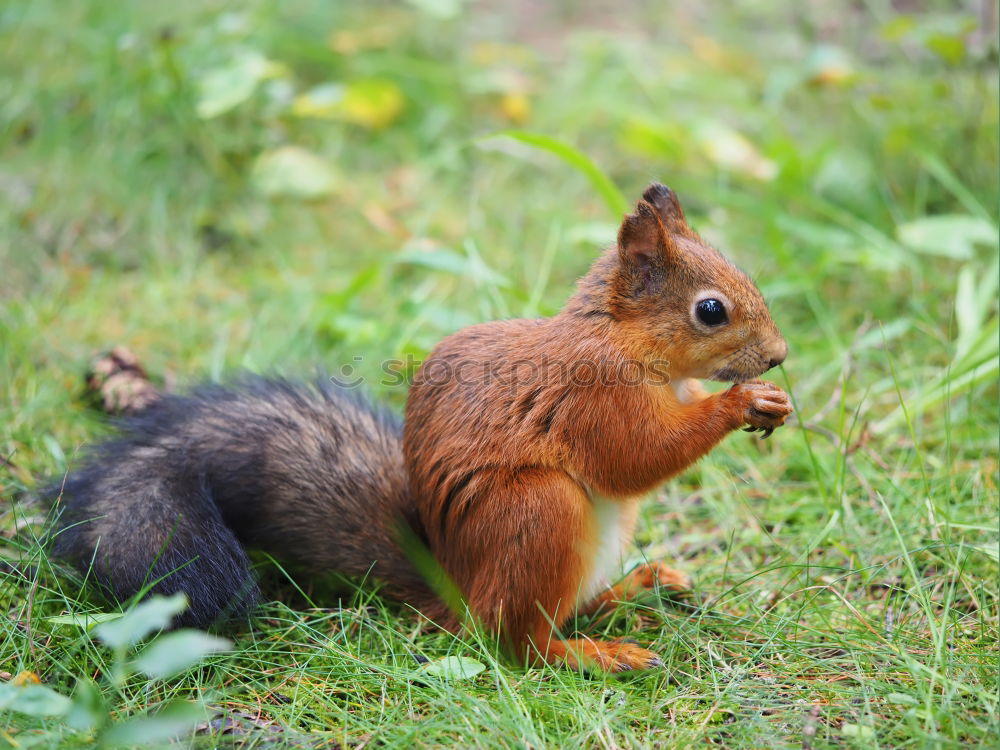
<point x="508" y="451"/>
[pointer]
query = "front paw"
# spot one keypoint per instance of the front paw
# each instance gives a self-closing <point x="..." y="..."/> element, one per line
<point x="762" y="406"/>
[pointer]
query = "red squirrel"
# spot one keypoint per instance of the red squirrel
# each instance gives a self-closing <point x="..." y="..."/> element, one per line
<point x="526" y="449"/>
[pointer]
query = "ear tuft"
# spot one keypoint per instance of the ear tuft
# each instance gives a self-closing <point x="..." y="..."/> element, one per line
<point x="668" y="208"/>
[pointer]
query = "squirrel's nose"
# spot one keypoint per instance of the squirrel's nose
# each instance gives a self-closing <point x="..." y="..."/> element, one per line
<point x="781" y="351"/>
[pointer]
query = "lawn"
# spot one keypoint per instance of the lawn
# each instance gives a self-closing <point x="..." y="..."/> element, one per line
<point x="287" y="186"/>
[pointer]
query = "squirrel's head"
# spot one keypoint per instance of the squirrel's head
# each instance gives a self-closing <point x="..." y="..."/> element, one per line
<point x="681" y="301"/>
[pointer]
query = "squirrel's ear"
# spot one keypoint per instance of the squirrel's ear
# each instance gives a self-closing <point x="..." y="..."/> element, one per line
<point x="668" y="208"/>
<point x="643" y="243"/>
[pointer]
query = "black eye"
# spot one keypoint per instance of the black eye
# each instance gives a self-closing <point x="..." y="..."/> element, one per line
<point x="711" y="312"/>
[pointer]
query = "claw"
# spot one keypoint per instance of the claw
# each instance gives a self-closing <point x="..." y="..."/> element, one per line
<point x="749" y="429"/>
<point x="767" y="432"/>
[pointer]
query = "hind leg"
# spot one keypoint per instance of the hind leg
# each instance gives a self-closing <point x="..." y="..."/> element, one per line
<point x="520" y="554"/>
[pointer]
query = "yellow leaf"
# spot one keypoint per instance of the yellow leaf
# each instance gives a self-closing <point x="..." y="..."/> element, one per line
<point x="373" y="102"/>
<point x="515" y="107"/>
<point x="26" y="678"/>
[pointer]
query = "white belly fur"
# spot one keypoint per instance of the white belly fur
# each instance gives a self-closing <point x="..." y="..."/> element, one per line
<point x="614" y="522"/>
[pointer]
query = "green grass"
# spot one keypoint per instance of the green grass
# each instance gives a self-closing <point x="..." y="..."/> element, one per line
<point x="846" y="156"/>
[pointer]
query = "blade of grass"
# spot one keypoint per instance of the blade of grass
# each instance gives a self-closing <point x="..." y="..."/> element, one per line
<point x="605" y="187"/>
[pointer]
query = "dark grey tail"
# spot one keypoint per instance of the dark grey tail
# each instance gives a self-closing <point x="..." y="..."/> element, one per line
<point x="314" y="475"/>
<point x="154" y="528"/>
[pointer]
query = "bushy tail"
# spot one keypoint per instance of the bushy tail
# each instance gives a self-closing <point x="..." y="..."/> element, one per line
<point x="314" y="475"/>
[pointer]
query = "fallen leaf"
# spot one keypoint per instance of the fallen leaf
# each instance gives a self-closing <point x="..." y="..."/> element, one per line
<point x="454" y="668"/>
<point x="293" y="172"/>
<point x="731" y="150"/>
<point x="227" y="86"/>
<point x="371" y="102"/>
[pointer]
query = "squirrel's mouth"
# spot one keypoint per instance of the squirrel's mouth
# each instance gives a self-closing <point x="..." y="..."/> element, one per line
<point x="732" y="375"/>
<point x="727" y="375"/>
<point x="742" y="365"/>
